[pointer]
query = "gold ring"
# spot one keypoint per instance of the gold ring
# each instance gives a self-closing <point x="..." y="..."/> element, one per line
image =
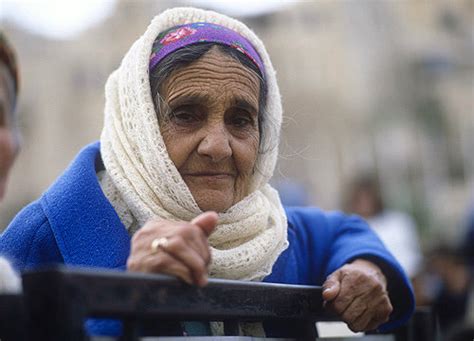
<point x="158" y="243"/>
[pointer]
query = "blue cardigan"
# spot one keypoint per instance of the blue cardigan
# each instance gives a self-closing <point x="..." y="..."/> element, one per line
<point x="74" y="223"/>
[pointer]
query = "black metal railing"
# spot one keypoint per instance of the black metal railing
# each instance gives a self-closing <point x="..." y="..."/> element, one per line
<point x="56" y="302"/>
<point x="13" y="317"/>
<point x="59" y="300"/>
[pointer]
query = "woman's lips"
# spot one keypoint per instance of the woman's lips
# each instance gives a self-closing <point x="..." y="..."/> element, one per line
<point x="211" y="175"/>
<point x="209" y="179"/>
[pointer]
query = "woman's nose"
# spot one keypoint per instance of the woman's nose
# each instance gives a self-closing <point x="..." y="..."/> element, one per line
<point x="216" y="143"/>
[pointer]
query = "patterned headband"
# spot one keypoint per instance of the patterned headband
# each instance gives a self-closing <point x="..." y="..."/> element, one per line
<point x="183" y="35"/>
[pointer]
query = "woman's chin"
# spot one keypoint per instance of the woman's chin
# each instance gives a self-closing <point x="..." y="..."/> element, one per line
<point x="216" y="207"/>
<point x="214" y="201"/>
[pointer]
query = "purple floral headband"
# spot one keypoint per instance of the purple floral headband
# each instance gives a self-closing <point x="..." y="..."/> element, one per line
<point x="183" y="35"/>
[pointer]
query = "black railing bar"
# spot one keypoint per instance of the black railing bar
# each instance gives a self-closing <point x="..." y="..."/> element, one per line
<point x="123" y="294"/>
<point x="125" y="276"/>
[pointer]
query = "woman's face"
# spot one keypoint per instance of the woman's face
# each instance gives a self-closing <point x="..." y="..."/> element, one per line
<point x="211" y="128"/>
<point x="8" y="139"/>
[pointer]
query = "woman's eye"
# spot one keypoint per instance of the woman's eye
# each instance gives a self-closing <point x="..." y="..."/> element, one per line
<point x="183" y="117"/>
<point x="242" y="120"/>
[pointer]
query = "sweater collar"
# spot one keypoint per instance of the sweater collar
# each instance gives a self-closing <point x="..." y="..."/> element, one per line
<point x="86" y="227"/>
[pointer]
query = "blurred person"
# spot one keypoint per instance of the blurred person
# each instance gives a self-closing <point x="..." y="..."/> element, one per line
<point x="451" y="300"/>
<point x="467" y="245"/>
<point x="396" y="229"/>
<point x="179" y="182"/>
<point x="9" y="141"/>
<point x="468" y="239"/>
<point x="468" y="251"/>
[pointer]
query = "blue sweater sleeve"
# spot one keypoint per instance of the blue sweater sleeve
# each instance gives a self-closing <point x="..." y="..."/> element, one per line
<point x="28" y="242"/>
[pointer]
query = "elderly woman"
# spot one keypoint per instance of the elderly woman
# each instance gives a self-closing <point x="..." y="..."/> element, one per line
<point x="179" y="182"/>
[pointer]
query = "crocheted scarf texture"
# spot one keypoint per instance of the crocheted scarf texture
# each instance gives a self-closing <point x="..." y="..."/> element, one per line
<point x="142" y="182"/>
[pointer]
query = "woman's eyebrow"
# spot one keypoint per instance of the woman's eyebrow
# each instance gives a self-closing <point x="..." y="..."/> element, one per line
<point x="244" y="104"/>
<point x="204" y="99"/>
<point x="190" y="99"/>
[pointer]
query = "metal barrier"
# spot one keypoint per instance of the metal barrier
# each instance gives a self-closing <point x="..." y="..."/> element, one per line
<point x="13" y="318"/>
<point x="56" y="302"/>
<point x="59" y="300"/>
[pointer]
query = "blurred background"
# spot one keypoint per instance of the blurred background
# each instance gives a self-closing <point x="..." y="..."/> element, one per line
<point x="370" y="88"/>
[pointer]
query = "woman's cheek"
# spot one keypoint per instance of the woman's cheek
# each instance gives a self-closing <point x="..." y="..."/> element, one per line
<point x="248" y="153"/>
<point x="245" y="153"/>
<point x="178" y="142"/>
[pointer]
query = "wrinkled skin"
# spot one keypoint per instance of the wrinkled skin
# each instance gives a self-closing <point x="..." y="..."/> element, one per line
<point x="187" y="254"/>
<point x="357" y="293"/>
<point x="211" y="129"/>
<point x="212" y="137"/>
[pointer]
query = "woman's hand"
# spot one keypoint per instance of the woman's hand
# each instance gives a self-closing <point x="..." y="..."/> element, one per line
<point x="357" y="293"/>
<point x="183" y="252"/>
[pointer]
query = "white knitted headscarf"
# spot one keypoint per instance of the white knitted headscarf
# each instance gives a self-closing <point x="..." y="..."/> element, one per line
<point x="251" y="234"/>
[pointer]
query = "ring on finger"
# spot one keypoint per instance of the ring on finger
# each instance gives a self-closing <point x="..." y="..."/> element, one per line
<point x="159" y="243"/>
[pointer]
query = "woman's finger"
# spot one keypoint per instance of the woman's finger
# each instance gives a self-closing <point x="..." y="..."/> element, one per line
<point x="368" y="311"/>
<point x="182" y="251"/>
<point x="376" y="320"/>
<point x="374" y="324"/>
<point x="186" y="245"/>
<point x="198" y="241"/>
<point x="161" y="228"/>
<point x="206" y="221"/>
<point x="359" y="319"/>
<point x="382" y="309"/>
<point x="202" y="248"/>
<point x="163" y="262"/>
<point x="332" y="286"/>
<point x="341" y="282"/>
<point x="355" y="309"/>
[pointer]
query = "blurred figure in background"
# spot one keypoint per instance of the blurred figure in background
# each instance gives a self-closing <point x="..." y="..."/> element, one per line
<point x="450" y="301"/>
<point x="396" y="229"/>
<point x="464" y="328"/>
<point x="9" y="141"/>
<point x="468" y="240"/>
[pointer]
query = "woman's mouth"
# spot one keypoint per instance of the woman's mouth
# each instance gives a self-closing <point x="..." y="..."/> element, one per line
<point x="210" y="175"/>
